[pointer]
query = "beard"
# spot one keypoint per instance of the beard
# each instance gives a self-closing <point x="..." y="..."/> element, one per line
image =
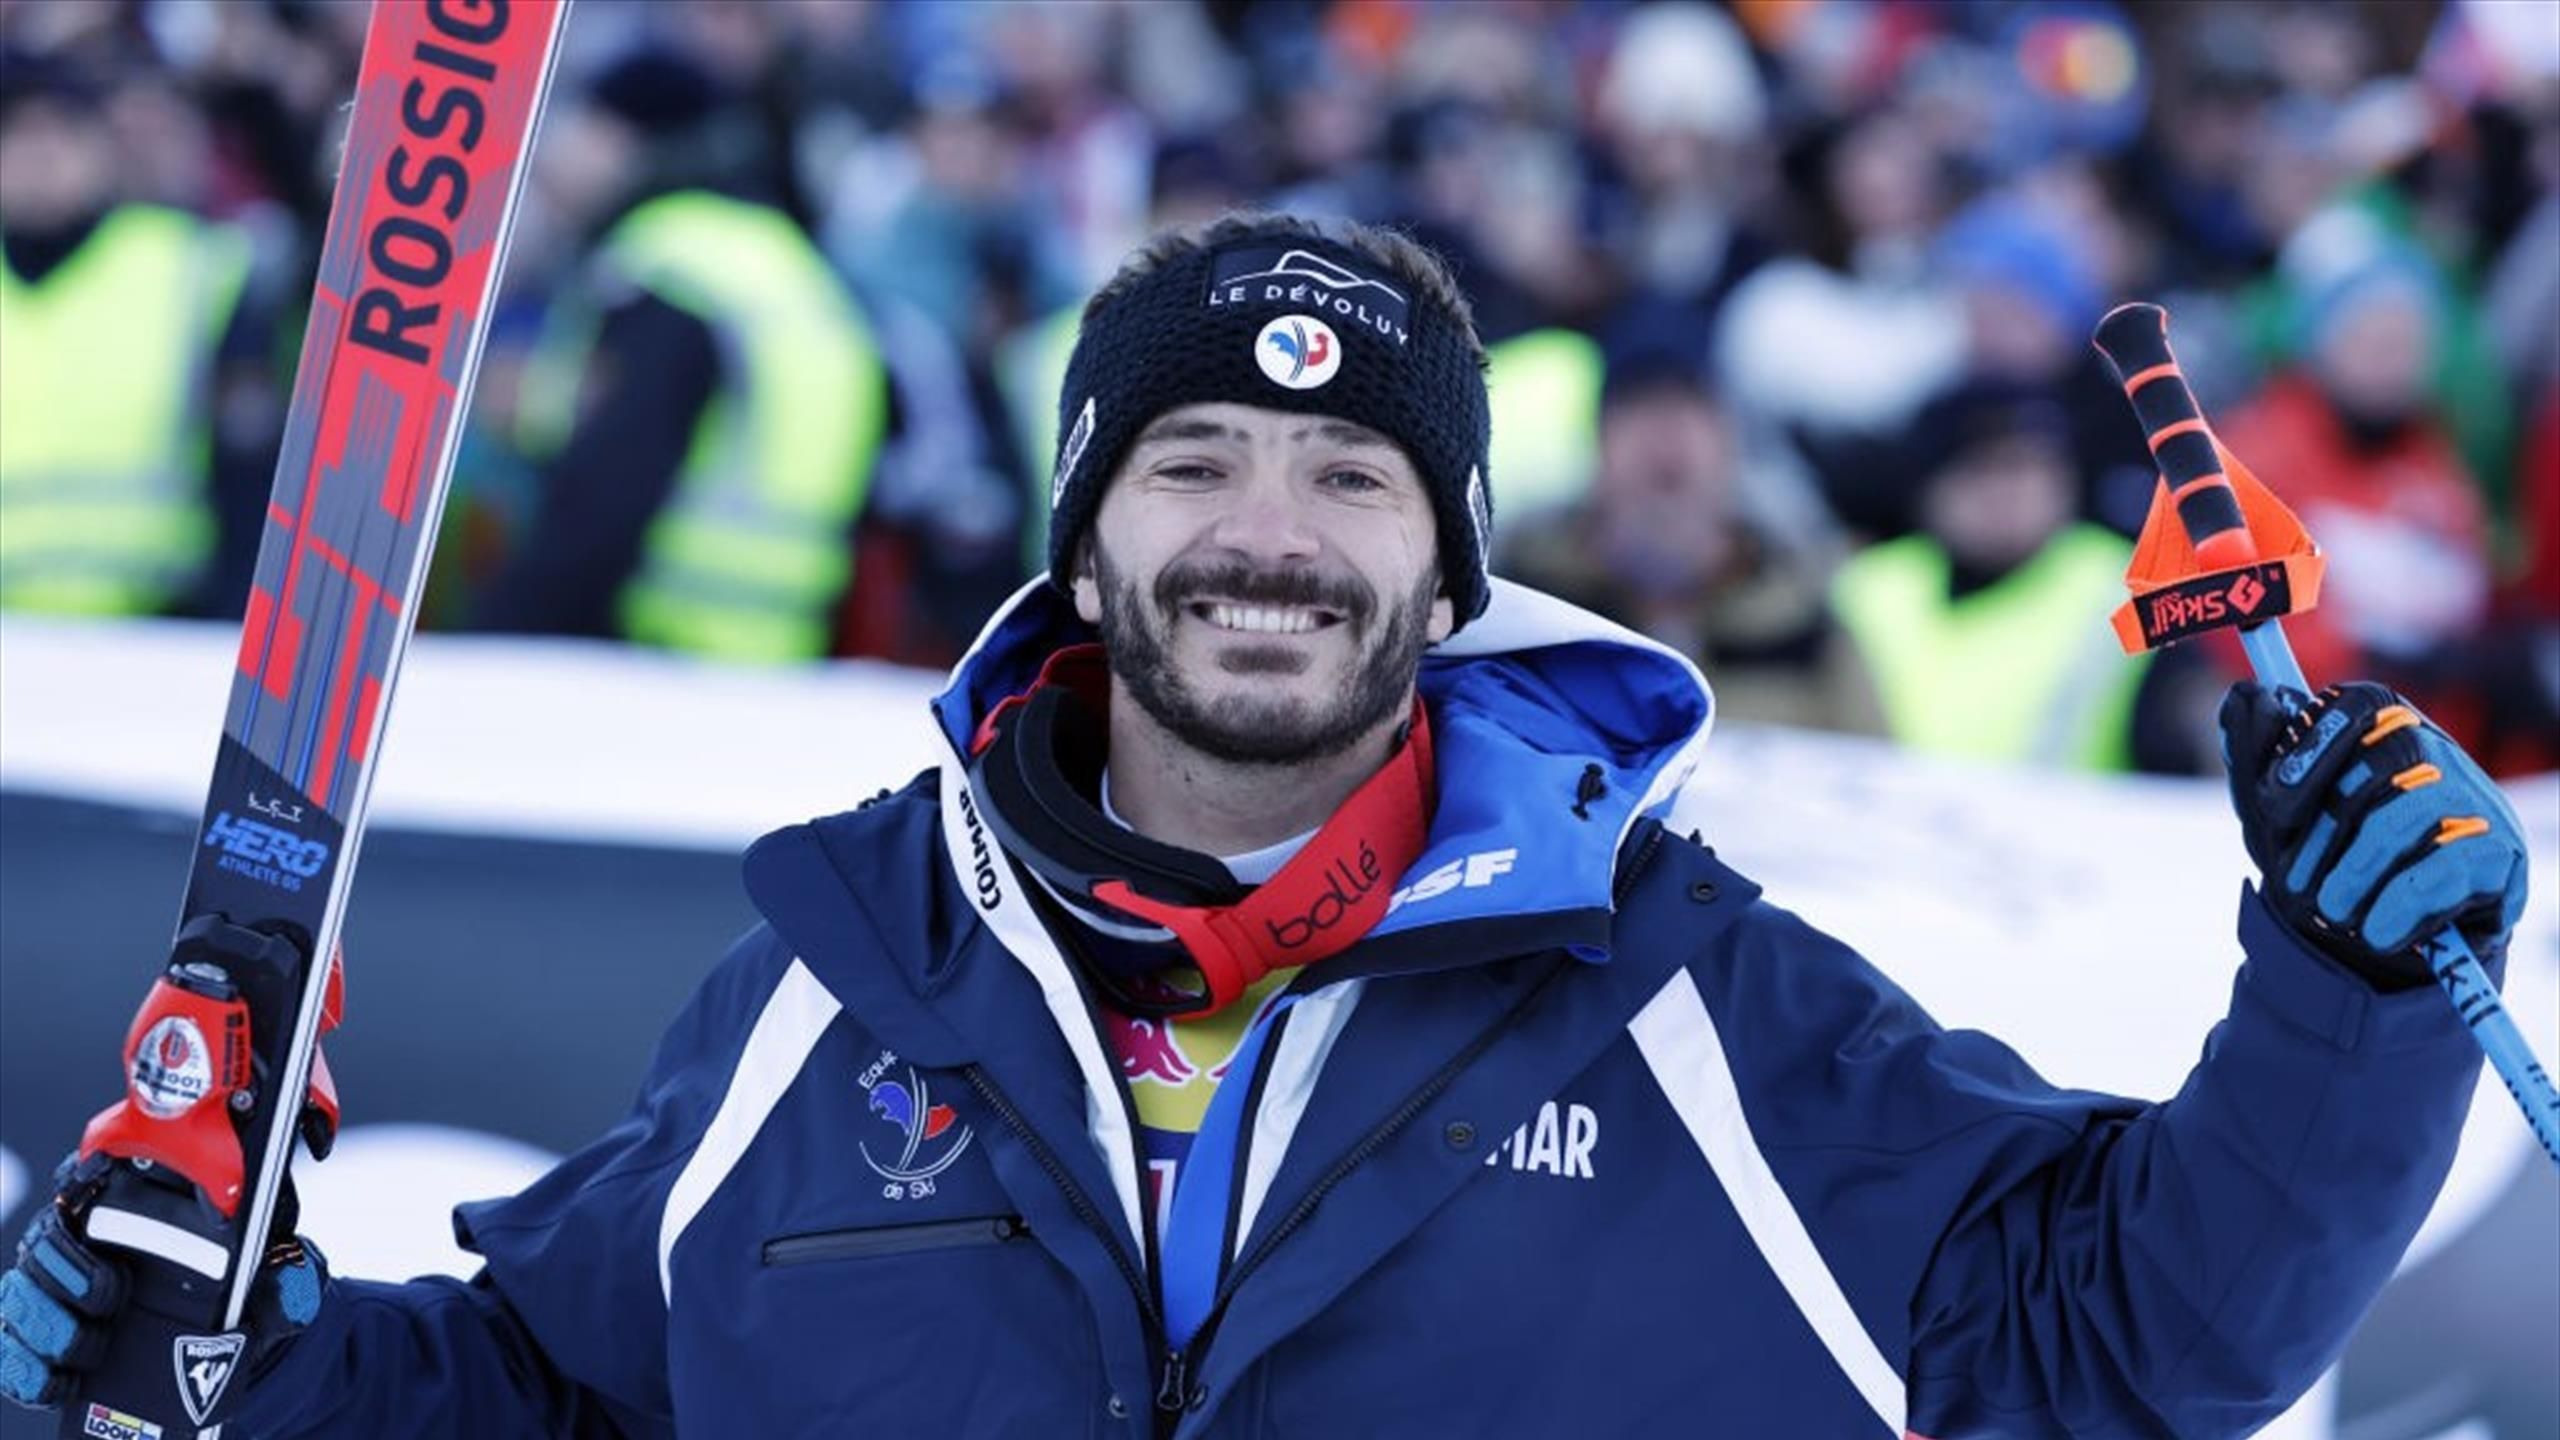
<point x="1137" y="634"/>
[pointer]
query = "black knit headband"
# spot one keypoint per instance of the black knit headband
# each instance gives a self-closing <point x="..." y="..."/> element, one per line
<point x="1285" y="323"/>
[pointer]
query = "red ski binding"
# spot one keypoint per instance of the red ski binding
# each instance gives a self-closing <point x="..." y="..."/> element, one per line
<point x="185" y="1058"/>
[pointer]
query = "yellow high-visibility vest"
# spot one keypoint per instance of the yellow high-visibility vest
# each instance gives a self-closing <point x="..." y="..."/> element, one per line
<point x="1031" y="368"/>
<point x="105" y="368"/>
<point x="1544" y="388"/>
<point x="752" y="551"/>
<point x="2026" y="669"/>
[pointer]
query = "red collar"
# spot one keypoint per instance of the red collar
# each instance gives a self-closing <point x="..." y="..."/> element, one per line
<point x="1324" y="899"/>
<point x="1327" y="896"/>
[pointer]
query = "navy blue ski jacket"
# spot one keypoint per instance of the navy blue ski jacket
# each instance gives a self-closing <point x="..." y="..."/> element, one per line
<point x="1586" y="1138"/>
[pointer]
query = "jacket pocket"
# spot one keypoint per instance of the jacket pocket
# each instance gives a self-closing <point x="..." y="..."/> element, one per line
<point x="894" y="1240"/>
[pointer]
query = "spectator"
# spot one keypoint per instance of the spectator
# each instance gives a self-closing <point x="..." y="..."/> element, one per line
<point x="1987" y="629"/>
<point x="2029" y="276"/>
<point x="1489" y="177"/>
<point x="707" y="451"/>
<point x="1851" y="208"/>
<point x="2353" y="444"/>
<point x="1684" y="115"/>
<point x="119" y="321"/>
<point x="1086" y="146"/>
<point x="939" y="544"/>
<point x="943" y="218"/>
<point x="1664" y="543"/>
<point x="2467" y="388"/>
<point x="2516" y="663"/>
<point x="1840" y="342"/>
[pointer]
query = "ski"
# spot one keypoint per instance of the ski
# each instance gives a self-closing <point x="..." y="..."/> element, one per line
<point x="181" y="1178"/>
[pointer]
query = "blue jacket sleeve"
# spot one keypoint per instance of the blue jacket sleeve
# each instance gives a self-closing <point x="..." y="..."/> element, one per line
<point x="564" y="1332"/>
<point x="2062" y="1263"/>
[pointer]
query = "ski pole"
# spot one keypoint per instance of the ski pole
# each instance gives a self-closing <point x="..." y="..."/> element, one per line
<point x="2227" y="580"/>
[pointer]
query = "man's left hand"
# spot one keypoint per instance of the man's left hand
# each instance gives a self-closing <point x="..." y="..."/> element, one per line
<point x="2374" y="831"/>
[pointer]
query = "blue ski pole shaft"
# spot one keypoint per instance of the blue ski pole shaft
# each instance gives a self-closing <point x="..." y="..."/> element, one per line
<point x="2135" y="340"/>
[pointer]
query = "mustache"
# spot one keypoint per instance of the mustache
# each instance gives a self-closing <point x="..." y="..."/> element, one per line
<point x="1179" y="585"/>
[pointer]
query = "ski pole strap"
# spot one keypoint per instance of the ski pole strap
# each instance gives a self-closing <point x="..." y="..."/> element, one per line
<point x="2135" y="340"/>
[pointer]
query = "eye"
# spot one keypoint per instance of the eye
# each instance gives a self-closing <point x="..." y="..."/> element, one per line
<point x="1186" y="472"/>
<point x="1354" y="481"/>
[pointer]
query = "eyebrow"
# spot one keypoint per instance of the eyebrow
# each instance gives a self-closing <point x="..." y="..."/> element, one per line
<point x="1343" y="432"/>
<point x="1175" y="428"/>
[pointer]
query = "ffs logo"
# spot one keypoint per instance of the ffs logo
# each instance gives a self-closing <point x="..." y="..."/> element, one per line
<point x="926" y="1146"/>
<point x="1300" y="352"/>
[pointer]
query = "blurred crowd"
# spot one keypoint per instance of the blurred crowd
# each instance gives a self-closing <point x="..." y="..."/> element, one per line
<point x="1787" y="305"/>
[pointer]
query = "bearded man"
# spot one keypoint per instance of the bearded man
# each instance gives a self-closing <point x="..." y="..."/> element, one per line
<point x="1298" y="1004"/>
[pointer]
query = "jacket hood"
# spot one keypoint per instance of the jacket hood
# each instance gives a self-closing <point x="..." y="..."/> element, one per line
<point x="1555" y="732"/>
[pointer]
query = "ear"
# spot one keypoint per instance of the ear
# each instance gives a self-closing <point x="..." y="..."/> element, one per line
<point x="1444" y="617"/>
<point x="1086" y="588"/>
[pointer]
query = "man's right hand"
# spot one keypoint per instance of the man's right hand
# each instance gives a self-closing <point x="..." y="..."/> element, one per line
<point x="59" y="1301"/>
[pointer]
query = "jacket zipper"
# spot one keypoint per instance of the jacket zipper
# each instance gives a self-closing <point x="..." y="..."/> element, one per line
<point x="1625" y="880"/>
<point x="893" y="1240"/>
<point x="1179" y="1363"/>
<point x="1174" y="1380"/>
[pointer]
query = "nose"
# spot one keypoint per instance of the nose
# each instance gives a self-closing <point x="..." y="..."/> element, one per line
<point x="1266" y="522"/>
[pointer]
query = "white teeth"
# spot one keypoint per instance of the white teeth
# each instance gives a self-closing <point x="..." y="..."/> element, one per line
<point x="1262" y="619"/>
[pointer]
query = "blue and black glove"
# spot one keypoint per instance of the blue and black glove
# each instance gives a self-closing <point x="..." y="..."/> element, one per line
<point x="2372" y="828"/>
<point x="59" y="1302"/>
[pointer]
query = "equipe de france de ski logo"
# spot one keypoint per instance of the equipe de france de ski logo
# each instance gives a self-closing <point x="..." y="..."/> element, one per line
<point x="1300" y="352"/>
<point x="929" y="1135"/>
<point x="205" y="1366"/>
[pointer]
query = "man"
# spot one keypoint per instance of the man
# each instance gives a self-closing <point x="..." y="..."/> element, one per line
<point x="707" y="403"/>
<point x="125" y="489"/>
<point x="1986" y="628"/>
<point x="2383" y="483"/>
<point x="1673" y="541"/>
<point x="1543" y="1123"/>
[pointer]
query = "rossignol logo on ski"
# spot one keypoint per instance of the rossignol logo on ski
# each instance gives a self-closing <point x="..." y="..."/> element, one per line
<point x="930" y="1137"/>
<point x="412" y="253"/>
<point x="102" y="1423"/>
<point x="264" y="853"/>
<point x="205" y="1365"/>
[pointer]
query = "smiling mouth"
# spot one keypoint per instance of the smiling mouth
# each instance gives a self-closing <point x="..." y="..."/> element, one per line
<point x="1262" y="619"/>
